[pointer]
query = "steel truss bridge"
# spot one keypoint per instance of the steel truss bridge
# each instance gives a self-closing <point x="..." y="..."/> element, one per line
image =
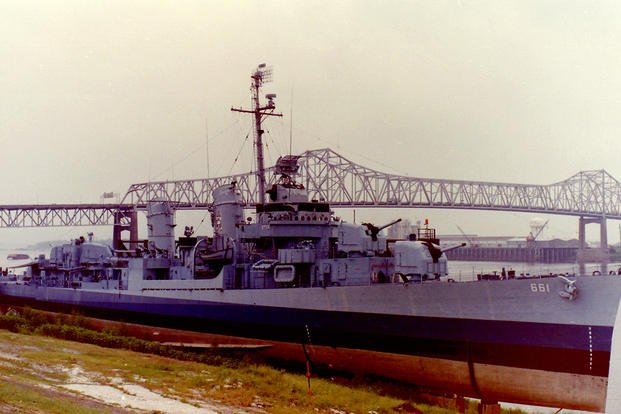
<point x="593" y="195"/>
<point x="330" y="176"/>
<point x="58" y="215"/>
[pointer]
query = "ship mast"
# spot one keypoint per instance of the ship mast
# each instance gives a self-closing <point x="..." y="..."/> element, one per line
<point x="261" y="75"/>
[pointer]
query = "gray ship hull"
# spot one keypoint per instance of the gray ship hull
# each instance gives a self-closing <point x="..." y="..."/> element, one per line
<point x="510" y="340"/>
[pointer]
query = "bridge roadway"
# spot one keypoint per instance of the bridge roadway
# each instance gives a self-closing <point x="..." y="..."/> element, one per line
<point x="594" y="196"/>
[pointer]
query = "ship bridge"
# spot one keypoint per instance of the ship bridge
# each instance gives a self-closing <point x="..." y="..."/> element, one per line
<point x="593" y="196"/>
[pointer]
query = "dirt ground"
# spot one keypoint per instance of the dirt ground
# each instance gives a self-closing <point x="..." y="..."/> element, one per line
<point x="25" y="367"/>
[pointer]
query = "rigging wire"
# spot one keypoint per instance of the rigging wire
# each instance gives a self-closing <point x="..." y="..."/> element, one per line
<point x="229" y="173"/>
<point x="239" y="152"/>
<point x="207" y="146"/>
<point x="291" y="122"/>
<point x="231" y="151"/>
<point x="201" y="222"/>
<point x="272" y="144"/>
<point x="276" y="144"/>
<point x="191" y="153"/>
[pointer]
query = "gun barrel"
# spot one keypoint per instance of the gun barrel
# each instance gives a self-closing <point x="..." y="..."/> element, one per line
<point x="448" y="249"/>
<point x="388" y="225"/>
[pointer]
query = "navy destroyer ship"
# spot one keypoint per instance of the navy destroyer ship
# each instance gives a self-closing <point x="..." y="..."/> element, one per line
<point x="294" y="272"/>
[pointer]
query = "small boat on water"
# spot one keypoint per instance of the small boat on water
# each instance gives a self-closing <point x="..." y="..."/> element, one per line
<point x="18" y="256"/>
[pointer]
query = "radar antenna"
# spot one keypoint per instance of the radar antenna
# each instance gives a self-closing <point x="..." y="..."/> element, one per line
<point x="261" y="75"/>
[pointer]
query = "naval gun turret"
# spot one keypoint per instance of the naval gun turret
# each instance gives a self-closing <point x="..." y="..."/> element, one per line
<point x="420" y="257"/>
<point x="437" y="252"/>
<point x="373" y="230"/>
<point x="355" y="239"/>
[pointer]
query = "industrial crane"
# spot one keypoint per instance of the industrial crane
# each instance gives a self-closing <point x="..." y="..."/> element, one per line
<point x="470" y="241"/>
<point x="536" y="229"/>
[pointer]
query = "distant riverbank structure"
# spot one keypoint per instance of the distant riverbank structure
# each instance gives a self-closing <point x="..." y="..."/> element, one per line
<point x="498" y="248"/>
<point x="401" y="230"/>
<point x="512" y="249"/>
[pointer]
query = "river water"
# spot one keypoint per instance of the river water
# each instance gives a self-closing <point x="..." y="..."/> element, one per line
<point x="465" y="271"/>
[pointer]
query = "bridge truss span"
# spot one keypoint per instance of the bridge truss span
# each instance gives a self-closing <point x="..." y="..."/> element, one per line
<point x="332" y="177"/>
<point x="59" y="215"/>
<point x="192" y="194"/>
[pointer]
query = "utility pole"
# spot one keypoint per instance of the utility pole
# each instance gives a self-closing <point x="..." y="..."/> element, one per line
<point x="262" y="74"/>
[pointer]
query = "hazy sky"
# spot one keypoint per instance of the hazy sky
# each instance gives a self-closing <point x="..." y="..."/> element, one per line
<point x="97" y="95"/>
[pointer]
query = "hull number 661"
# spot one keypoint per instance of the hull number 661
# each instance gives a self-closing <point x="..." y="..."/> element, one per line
<point x="540" y="287"/>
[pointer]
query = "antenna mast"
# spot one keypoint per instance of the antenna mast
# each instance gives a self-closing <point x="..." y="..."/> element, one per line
<point x="261" y="75"/>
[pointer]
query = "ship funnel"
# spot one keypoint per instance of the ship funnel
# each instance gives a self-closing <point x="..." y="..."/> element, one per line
<point x="161" y="225"/>
<point x="227" y="210"/>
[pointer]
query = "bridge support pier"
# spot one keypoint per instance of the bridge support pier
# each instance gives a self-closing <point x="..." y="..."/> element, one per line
<point x="593" y="255"/>
<point x="125" y="221"/>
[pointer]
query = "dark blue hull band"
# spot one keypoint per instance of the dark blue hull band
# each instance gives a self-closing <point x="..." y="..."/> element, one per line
<point x="573" y="349"/>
